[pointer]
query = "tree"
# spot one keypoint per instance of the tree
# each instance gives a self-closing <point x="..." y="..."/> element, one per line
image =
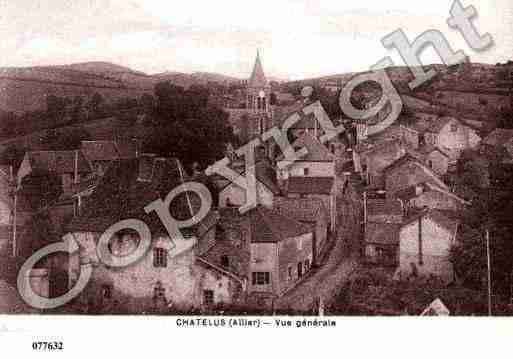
<point x="56" y="105"/>
<point x="126" y="103"/>
<point x="187" y="127"/>
<point x="95" y="102"/>
<point x="468" y="257"/>
<point x="147" y="102"/>
<point x="78" y="106"/>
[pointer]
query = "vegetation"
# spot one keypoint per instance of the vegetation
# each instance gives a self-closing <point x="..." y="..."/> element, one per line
<point x="186" y="126"/>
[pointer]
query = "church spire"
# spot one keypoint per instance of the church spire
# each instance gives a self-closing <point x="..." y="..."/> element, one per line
<point x="257" y="78"/>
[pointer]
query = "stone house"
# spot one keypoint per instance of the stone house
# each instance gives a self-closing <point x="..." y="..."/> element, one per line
<point x="318" y="162"/>
<point x="231" y="195"/>
<point x="406" y="172"/>
<point x="159" y="281"/>
<point x="310" y="212"/>
<point x="499" y="138"/>
<point x="429" y="195"/>
<point x="310" y="188"/>
<point x="447" y="133"/>
<point x="382" y="222"/>
<point x="271" y="251"/>
<point x="373" y="159"/>
<point x="433" y="157"/>
<point x="425" y="241"/>
<point x="382" y="243"/>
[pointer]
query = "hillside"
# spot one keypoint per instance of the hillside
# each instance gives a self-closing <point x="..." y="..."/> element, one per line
<point x="477" y="91"/>
<point x="25" y="89"/>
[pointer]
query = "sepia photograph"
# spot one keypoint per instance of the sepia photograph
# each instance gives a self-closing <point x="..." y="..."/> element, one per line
<point x="254" y="165"/>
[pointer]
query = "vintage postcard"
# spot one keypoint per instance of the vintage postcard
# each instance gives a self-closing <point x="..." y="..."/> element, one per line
<point x="253" y="164"/>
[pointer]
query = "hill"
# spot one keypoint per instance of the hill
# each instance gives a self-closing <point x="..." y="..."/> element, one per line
<point x="25" y="89"/>
<point x="477" y="91"/>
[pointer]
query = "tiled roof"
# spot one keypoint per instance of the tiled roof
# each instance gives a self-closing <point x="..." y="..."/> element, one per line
<point x="418" y="189"/>
<point x="428" y="149"/>
<point x="310" y="185"/>
<point x="126" y="148"/>
<point x="407" y="158"/>
<point x="444" y="218"/>
<point x="264" y="173"/>
<point x="498" y="137"/>
<point x="266" y="225"/>
<point x="388" y="145"/>
<point x="384" y="207"/>
<point x="433" y="126"/>
<point x="301" y="209"/>
<point x="120" y="195"/>
<point x="465" y="192"/>
<point x="382" y="233"/>
<point x="270" y="226"/>
<point x="305" y="121"/>
<point x="57" y="161"/>
<point x="317" y="152"/>
<point x="99" y="150"/>
<point x="429" y="186"/>
<point x="238" y="257"/>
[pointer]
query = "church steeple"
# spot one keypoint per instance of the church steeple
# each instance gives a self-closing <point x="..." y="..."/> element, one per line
<point x="258" y="91"/>
<point x="257" y="78"/>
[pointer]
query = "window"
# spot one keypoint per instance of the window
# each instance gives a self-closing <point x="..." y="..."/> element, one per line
<point x="289" y="272"/>
<point x="159" y="257"/>
<point x="299" y="270"/>
<point x="225" y="261"/>
<point x="106" y="291"/>
<point x="261" y="278"/>
<point x="306" y="171"/>
<point x="159" y="292"/>
<point x="422" y="140"/>
<point x="454" y="127"/>
<point x="208" y="297"/>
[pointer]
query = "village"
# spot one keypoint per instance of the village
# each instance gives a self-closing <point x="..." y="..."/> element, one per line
<point x="357" y="218"/>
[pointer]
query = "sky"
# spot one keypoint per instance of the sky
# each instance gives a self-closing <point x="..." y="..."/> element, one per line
<point x="296" y="38"/>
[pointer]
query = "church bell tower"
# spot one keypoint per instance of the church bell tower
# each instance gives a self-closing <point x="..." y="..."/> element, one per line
<point x="258" y="92"/>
